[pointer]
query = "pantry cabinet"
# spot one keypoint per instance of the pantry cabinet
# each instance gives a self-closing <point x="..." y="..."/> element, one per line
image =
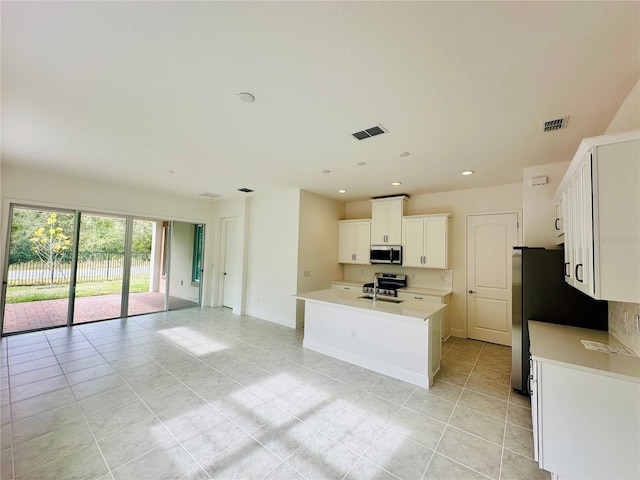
<point x="425" y="240"/>
<point x="353" y="241"/>
<point x="386" y="220"/>
<point x="600" y="202"/>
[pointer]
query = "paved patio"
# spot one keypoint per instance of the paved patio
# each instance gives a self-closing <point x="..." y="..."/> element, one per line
<point x="52" y="313"/>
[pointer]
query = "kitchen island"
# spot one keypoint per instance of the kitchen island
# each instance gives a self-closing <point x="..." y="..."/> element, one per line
<point x="398" y="338"/>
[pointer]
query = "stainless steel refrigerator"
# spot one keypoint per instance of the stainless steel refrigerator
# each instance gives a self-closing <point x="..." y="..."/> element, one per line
<point x="539" y="292"/>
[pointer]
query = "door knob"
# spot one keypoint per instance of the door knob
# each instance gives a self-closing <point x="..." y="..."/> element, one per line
<point x="471" y="291"/>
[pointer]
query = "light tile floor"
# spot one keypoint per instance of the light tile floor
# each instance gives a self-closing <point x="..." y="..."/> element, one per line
<point x="202" y="393"/>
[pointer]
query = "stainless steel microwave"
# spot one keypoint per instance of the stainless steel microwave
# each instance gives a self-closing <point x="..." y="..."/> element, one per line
<point x="391" y="254"/>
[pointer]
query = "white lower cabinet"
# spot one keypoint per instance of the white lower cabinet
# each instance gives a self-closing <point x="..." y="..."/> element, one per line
<point x="446" y="329"/>
<point x="347" y="286"/>
<point x="585" y="425"/>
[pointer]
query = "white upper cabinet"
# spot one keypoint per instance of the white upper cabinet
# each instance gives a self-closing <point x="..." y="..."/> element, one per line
<point x="425" y="240"/>
<point x="559" y="222"/>
<point x="386" y="221"/>
<point x="353" y="241"/>
<point x="600" y="198"/>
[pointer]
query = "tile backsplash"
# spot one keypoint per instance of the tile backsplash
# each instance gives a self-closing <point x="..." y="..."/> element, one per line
<point x="627" y="334"/>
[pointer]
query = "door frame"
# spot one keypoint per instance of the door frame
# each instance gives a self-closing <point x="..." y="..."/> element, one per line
<point x="519" y="229"/>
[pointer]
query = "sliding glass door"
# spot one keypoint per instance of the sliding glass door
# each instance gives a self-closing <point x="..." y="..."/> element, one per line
<point x="148" y="267"/>
<point x="38" y="269"/>
<point x="185" y="265"/>
<point x="100" y="272"/>
<point x="66" y="268"/>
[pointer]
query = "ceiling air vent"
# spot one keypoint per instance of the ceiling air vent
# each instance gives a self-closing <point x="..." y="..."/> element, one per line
<point x="370" y="132"/>
<point x="245" y="190"/>
<point x="210" y="195"/>
<point x="555" y="124"/>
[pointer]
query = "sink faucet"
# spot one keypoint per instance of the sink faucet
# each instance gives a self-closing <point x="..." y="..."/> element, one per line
<point x="375" y="286"/>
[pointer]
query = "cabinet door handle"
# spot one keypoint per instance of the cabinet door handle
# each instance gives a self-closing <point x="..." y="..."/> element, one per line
<point x="578" y="278"/>
<point x="418" y="298"/>
<point x="567" y="269"/>
<point x="557" y="220"/>
<point x="471" y="291"/>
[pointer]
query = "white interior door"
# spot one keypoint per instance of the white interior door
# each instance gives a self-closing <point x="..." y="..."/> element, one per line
<point x="490" y="241"/>
<point x="231" y="292"/>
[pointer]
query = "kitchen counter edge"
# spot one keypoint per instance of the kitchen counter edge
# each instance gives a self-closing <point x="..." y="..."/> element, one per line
<point x="408" y="308"/>
<point x="561" y="345"/>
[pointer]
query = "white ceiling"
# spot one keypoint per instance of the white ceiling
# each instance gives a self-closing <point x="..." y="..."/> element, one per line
<point x="125" y="91"/>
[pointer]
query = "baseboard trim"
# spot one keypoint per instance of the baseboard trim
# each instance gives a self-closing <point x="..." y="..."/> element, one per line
<point x="380" y="367"/>
<point x="456" y="332"/>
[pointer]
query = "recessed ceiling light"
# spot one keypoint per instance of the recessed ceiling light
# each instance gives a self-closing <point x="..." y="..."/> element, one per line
<point x="342" y="191"/>
<point x="326" y="171"/>
<point x="395" y="184"/>
<point x="404" y="154"/>
<point x="467" y="172"/>
<point x="247" y="97"/>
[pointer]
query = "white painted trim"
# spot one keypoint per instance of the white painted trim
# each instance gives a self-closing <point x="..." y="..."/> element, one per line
<point x="457" y="332"/>
<point x="370" y="364"/>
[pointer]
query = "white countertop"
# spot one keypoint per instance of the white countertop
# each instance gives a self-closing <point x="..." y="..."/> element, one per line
<point x="351" y="283"/>
<point x="417" y="309"/>
<point x="560" y="344"/>
<point x="426" y="291"/>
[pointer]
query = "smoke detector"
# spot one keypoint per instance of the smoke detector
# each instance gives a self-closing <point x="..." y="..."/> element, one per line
<point x="555" y="124"/>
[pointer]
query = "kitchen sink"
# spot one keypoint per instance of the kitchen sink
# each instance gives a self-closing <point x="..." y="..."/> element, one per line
<point x="382" y="299"/>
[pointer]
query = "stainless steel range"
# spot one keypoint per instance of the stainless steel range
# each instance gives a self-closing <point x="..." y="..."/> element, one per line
<point x="387" y="283"/>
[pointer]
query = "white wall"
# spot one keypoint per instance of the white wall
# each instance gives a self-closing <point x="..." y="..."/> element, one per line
<point x="317" y="245"/>
<point x="458" y="203"/>
<point x="538" y="204"/>
<point x="273" y="256"/>
<point x="628" y="115"/>
<point x="627" y="118"/>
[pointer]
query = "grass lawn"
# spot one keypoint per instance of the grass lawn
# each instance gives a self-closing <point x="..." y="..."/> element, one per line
<point x="88" y="289"/>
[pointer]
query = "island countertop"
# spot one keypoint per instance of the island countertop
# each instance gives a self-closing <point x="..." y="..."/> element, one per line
<point x="407" y="308"/>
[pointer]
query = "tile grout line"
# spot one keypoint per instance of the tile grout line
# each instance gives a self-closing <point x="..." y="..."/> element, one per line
<point x="453" y="410"/>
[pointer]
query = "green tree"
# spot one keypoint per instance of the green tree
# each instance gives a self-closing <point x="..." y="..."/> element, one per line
<point x="50" y="245"/>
